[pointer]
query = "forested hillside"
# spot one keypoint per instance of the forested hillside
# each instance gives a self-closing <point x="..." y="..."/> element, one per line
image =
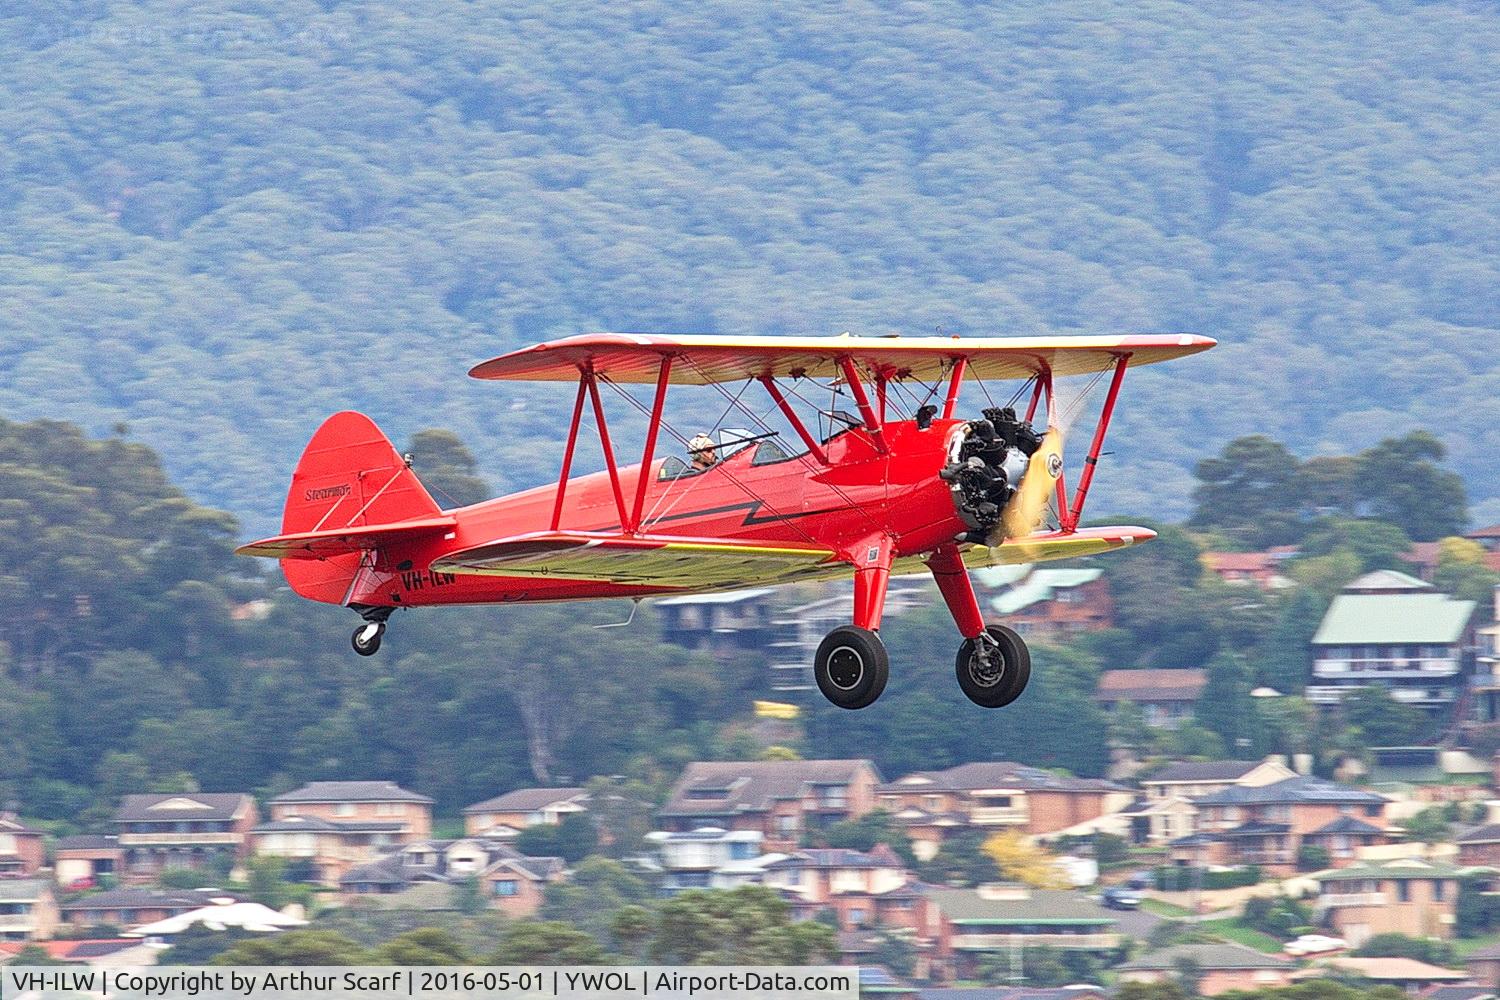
<point x="220" y="226"/>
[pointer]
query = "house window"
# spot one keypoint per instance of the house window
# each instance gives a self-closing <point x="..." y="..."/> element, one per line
<point x="934" y="803"/>
<point x="1439" y="889"/>
<point x="857" y="916"/>
<point x="786" y="824"/>
<point x="1403" y="890"/>
<point x="507" y="887"/>
<point x="344" y="809"/>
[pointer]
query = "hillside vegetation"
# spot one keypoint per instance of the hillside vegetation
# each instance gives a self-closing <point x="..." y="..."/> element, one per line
<point x="220" y="226"/>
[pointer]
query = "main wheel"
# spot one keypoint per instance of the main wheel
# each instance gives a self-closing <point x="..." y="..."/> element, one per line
<point x="994" y="668"/>
<point x="366" y="638"/>
<point x="851" y="667"/>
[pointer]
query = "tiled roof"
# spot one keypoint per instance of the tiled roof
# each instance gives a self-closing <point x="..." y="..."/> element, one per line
<point x="1302" y="788"/>
<point x="135" y="899"/>
<point x="715" y="788"/>
<point x="304" y="824"/>
<point x="1151" y="685"/>
<point x="995" y="774"/>
<point x="1398" y="868"/>
<point x="1239" y="562"/>
<point x="1203" y="770"/>
<point x="351" y="791"/>
<point x="1461" y="992"/>
<point x="11" y="824"/>
<point x="1386" y="579"/>
<point x="525" y="800"/>
<point x="174" y="806"/>
<point x="1207" y="957"/>
<point x="1348" y="824"/>
<point x="836" y="857"/>
<point x="20" y="890"/>
<point x="1489" y="834"/>
<point x="1392" y="968"/>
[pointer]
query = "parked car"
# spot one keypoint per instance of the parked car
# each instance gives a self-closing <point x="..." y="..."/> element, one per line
<point x="1314" y="944"/>
<point x="1119" y="898"/>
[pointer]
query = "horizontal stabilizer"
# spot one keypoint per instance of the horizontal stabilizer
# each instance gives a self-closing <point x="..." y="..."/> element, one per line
<point x="646" y="560"/>
<point x="341" y="541"/>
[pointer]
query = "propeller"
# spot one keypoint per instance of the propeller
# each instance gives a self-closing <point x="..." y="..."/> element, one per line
<point x="1023" y="515"/>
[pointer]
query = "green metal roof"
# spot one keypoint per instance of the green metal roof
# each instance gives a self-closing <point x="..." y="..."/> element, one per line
<point x="1040" y="586"/>
<point x="1207" y="956"/>
<point x="1393" y="619"/>
<point x="1398" y="868"/>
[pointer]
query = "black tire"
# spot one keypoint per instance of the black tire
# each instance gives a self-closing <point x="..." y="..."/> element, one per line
<point x="851" y="667"/>
<point x="992" y="684"/>
<point x="366" y="642"/>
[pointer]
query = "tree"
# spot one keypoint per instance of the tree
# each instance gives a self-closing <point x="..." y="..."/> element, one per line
<point x="1019" y="861"/>
<point x="447" y="468"/>
<point x="198" y="945"/>
<point x="424" y="946"/>
<point x="1225" y="706"/>
<point x="864" y="833"/>
<point x="1392" y="945"/>
<point x="1246" y="492"/>
<point x="598" y="890"/>
<point x="1383" y="720"/>
<point x="631" y="927"/>
<point x="572" y="839"/>
<point x="1402" y="483"/>
<point x="300" y="947"/>
<point x="961" y="861"/>
<point x="1463" y="572"/>
<point x="533" y="942"/>
<point x="750" y="925"/>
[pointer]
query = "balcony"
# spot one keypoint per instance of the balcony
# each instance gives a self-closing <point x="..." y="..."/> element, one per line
<point x="1332" y="694"/>
<point x="1331" y="899"/>
<point x="997" y="815"/>
<point x="1395" y="667"/>
<point x="23" y="922"/>
<point x="222" y="838"/>
<point x="1000" y="942"/>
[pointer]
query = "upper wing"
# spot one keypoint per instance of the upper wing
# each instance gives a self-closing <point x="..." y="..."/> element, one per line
<point x="702" y="360"/>
<point x="647" y="560"/>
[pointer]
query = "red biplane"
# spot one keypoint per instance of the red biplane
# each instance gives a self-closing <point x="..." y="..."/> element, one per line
<point x="882" y="491"/>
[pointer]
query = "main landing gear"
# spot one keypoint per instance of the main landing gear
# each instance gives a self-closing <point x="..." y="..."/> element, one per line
<point x="366" y="638"/>
<point x="851" y="666"/>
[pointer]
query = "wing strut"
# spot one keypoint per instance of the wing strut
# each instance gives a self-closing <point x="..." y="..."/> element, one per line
<point x="813" y="448"/>
<point x="954" y="385"/>
<point x="663" y="377"/>
<point x="862" y="398"/>
<point x="606" y="446"/>
<point x="1070" y="522"/>
<point x="567" y="462"/>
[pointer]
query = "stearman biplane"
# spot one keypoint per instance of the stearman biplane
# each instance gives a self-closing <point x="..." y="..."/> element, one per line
<point x="886" y="479"/>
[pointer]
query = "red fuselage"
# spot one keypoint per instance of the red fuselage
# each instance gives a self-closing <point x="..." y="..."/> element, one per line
<point x="860" y="495"/>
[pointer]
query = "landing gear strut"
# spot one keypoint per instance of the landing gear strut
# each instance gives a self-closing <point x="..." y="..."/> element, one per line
<point x="366" y="638"/>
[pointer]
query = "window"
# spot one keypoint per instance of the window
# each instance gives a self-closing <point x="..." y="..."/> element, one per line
<point x="857" y="916"/>
<point x="507" y="887"/>
<point x="786" y="824"/>
<point x="1403" y="890"/>
<point x="344" y="809"/>
<point x="1439" y="889"/>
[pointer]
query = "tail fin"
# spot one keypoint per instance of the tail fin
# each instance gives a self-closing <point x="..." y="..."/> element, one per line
<point x="350" y="475"/>
<point x="349" y="478"/>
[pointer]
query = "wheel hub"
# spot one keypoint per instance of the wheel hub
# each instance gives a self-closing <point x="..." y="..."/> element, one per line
<point x="986" y="665"/>
<point x="845" y="668"/>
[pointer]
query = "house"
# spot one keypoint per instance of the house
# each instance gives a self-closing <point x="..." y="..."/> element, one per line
<point x="22" y="851"/>
<point x="364" y="801"/>
<point x="322" y="850"/>
<point x="1153" y="821"/>
<point x="1460" y="991"/>
<point x="1193" y="779"/>
<point x="1396" y="632"/>
<point x="85" y="859"/>
<point x="1483" y="965"/>
<point x="525" y="807"/>
<point x="1486" y="680"/>
<point x="860" y="889"/>
<point x="1165" y="697"/>
<point x="780" y="798"/>
<point x="710" y="858"/>
<point x="968" y="924"/>
<point x="28" y="909"/>
<point x="183" y="830"/>
<point x="508" y="880"/>
<point x="1275" y="825"/>
<point x="735" y="619"/>
<point x="1256" y="569"/>
<point x="1480" y="846"/>
<point x="1051" y="604"/>
<point x="1222" y="966"/>
<point x="1406" y="974"/>
<point x="998" y="795"/>
<point x="130" y="907"/>
<point x="1412" y="896"/>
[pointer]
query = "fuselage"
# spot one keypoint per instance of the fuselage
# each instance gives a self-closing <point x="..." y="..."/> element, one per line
<point x="754" y="493"/>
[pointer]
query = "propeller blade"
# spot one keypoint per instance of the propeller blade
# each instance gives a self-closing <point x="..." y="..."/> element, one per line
<point x="1023" y="515"/>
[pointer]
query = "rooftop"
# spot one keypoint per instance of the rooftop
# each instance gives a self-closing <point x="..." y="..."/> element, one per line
<point x="1221" y="955"/>
<point x="1396" y="868"/>
<point x="1302" y="788"/>
<point x="1024" y="906"/>
<point x="351" y="791"/>
<point x="1203" y="770"/>
<point x="525" y="800"/>
<point x="1042" y="585"/>
<point x="716" y="788"/>
<point x="1394" y="619"/>
<point x="1000" y="774"/>
<point x="173" y="806"/>
<point x="1151" y="685"/>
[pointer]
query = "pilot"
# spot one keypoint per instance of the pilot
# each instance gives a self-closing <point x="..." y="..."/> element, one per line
<point x="701" y="448"/>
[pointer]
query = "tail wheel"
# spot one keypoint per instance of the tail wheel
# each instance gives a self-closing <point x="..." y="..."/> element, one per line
<point x="366" y="638"/>
<point x="993" y="668"/>
<point x="851" y="667"/>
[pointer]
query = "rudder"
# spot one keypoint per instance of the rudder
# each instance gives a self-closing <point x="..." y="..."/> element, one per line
<point x="349" y="475"/>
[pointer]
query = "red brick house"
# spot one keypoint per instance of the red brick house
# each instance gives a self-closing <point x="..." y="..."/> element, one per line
<point x="22" y="851"/>
<point x="183" y="830"/>
<point x="780" y="798"/>
<point x="1165" y="697"/>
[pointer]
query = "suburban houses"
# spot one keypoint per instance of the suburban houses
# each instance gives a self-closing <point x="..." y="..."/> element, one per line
<point x="780" y="799"/>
